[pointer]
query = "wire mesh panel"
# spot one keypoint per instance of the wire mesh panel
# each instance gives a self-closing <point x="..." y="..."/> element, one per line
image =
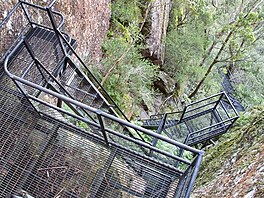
<point x="199" y="121"/>
<point x="48" y="157"/>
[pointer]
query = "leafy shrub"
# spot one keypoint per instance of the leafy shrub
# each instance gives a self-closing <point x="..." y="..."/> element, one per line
<point x="130" y="82"/>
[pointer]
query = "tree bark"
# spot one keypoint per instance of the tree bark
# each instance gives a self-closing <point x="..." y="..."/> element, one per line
<point x="159" y="20"/>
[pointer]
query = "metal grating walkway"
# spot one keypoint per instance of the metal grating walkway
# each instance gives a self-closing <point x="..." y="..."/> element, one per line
<point x="198" y="123"/>
<point x="49" y="157"/>
<point x="62" y="137"/>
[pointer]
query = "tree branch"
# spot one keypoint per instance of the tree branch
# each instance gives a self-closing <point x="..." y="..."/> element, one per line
<point x="211" y="65"/>
<point x="216" y="58"/>
<point x="207" y="54"/>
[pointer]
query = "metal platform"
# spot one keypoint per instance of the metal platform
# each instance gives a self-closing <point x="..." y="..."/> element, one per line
<point x="47" y="156"/>
<point x="47" y="57"/>
<point x="198" y="123"/>
<point x="62" y="137"/>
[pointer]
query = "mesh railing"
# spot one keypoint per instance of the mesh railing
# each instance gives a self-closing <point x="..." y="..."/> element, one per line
<point x="199" y="121"/>
<point x="209" y="118"/>
<point x="44" y="18"/>
<point x="60" y="145"/>
<point x="47" y="57"/>
<point x="62" y="152"/>
<point x="20" y="20"/>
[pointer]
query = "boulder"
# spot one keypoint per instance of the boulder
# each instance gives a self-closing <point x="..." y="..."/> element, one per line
<point x="165" y="83"/>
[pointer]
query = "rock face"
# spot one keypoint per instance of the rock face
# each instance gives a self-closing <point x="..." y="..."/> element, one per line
<point x="159" y="19"/>
<point x="85" y="20"/>
<point x="165" y="83"/>
<point x="234" y="168"/>
<point x="88" y="22"/>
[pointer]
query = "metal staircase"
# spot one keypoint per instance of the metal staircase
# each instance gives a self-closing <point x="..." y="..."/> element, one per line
<point x="62" y="137"/>
<point x="198" y="123"/>
<point x="47" y="58"/>
<point x="228" y="87"/>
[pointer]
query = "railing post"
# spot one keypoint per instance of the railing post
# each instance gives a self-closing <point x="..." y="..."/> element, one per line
<point x="27" y="14"/>
<point x="19" y="84"/>
<point x="183" y="112"/>
<point x="102" y="126"/>
<point x="29" y="49"/>
<point x="217" y="103"/>
<point x="159" y="130"/>
<point x="195" y="173"/>
<point x="54" y="25"/>
<point x="181" y="151"/>
<point x="51" y="4"/>
<point x="24" y="92"/>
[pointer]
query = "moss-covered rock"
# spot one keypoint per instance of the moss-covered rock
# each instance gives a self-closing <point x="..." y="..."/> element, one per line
<point x="235" y="166"/>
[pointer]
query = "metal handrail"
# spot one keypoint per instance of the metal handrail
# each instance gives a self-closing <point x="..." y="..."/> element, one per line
<point x="30" y="23"/>
<point x="214" y="125"/>
<point x="168" y="113"/>
<point x="95" y="111"/>
<point x="193" y="164"/>
<point x="221" y="94"/>
<point x="97" y="82"/>
<point x="10" y="14"/>
<point x="204" y="99"/>
<point x="21" y="2"/>
<point x="94" y="78"/>
<point x="152" y="117"/>
<point x="64" y="43"/>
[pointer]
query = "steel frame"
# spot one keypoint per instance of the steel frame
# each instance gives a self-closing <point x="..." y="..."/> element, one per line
<point x="193" y="111"/>
<point x="110" y="138"/>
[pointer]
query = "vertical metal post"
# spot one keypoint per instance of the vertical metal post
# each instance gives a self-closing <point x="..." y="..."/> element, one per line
<point x="27" y="14"/>
<point x="195" y="173"/>
<point x="160" y="128"/>
<point x="217" y="103"/>
<point x="51" y="3"/>
<point x="185" y="142"/>
<point x="159" y="131"/>
<point x="53" y="23"/>
<point x="23" y="91"/>
<point x="183" y="112"/>
<point x="35" y="59"/>
<point x="181" y="151"/>
<point x="102" y="125"/>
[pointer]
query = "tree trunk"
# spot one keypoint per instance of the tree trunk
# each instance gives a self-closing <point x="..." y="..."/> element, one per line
<point x="159" y="19"/>
<point x="211" y="65"/>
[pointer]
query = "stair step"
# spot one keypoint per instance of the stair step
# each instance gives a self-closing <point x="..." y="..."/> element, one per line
<point x="154" y="124"/>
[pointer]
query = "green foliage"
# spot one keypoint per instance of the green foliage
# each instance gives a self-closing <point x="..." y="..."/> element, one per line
<point x="125" y="74"/>
<point x="126" y="11"/>
<point x="206" y="34"/>
<point x="130" y="82"/>
<point x="183" y="50"/>
<point x="186" y="44"/>
<point x="249" y="81"/>
<point x="242" y="141"/>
